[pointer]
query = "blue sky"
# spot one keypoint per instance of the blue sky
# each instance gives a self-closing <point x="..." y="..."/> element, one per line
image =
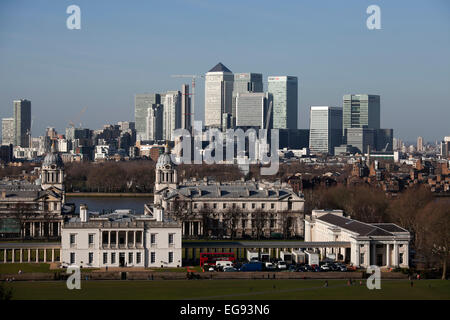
<point x="129" y="47"/>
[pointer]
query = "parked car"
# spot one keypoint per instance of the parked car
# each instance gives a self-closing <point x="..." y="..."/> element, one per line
<point x="270" y="266"/>
<point x="229" y="269"/>
<point x="292" y="268"/>
<point x="325" y="267"/>
<point x="282" y="265"/>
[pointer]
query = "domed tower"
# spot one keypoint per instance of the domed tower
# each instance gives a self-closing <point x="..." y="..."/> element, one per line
<point x="166" y="174"/>
<point x="52" y="171"/>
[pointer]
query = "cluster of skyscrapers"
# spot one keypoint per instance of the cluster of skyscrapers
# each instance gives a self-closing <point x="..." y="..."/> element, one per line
<point x="355" y="128"/>
<point x="239" y="101"/>
<point x="157" y="115"/>
<point x="231" y="100"/>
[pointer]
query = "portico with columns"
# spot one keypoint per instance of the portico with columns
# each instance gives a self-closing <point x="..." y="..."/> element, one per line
<point x="381" y="244"/>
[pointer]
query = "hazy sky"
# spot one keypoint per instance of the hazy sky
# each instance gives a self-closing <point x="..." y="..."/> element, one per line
<point x="129" y="47"/>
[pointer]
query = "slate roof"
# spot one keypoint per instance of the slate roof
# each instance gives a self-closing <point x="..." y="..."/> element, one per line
<point x="220" y="68"/>
<point x="363" y="229"/>
<point x="389" y="227"/>
<point x="243" y="191"/>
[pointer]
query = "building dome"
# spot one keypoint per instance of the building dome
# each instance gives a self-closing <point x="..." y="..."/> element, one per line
<point x="164" y="161"/>
<point x="53" y="159"/>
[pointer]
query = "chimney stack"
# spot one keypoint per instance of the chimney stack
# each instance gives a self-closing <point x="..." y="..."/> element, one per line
<point x="84" y="214"/>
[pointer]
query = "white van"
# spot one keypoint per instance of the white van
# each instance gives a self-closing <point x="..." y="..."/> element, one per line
<point x="222" y="264"/>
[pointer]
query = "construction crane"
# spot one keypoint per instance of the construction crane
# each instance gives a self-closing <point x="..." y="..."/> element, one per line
<point x="193" y="77"/>
<point x="72" y="123"/>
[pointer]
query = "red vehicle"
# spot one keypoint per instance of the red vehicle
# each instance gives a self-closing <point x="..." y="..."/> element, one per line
<point x="210" y="258"/>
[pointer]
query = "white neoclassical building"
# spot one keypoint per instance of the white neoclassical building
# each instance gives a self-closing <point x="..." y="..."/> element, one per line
<point x="381" y="244"/>
<point x="246" y="208"/>
<point x="121" y="239"/>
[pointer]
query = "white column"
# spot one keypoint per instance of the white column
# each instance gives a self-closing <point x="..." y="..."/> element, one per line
<point x="21" y="255"/>
<point x="13" y="256"/>
<point x="37" y="255"/>
<point x="45" y="255"/>
<point x="29" y="255"/>
<point x="5" y="253"/>
<point x="388" y="255"/>
<point x="396" y="255"/>
<point x="134" y="239"/>
<point x="53" y="255"/>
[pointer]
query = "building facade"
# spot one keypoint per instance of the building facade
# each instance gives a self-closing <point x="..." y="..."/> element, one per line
<point x="155" y="121"/>
<point x="284" y="90"/>
<point x="34" y="210"/>
<point x="381" y="244"/>
<point x="245" y="83"/>
<point x="8" y="132"/>
<point x="172" y="113"/>
<point x="325" y="129"/>
<point x="238" y="210"/>
<point x="252" y="110"/>
<point x="186" y="112"/>
<point x="142" y="102"/>
<point x="361" y="111"/>
<point x="218" y="95"/>
<point x="120" y="239"/>
<point x="22" y="122"/>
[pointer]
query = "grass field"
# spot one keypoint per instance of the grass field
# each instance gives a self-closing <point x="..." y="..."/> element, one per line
<point x="231" y="290"/>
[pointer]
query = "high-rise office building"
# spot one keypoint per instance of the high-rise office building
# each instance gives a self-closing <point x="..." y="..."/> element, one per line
<point x="155" y="120"/>
<point x="245" y="83"/>
<point x="22" y="122"/>
<point x="325" y="129"/>
<point x="384" y="140"/>
<point x="252" y="109"/>
<point x="172" y="113"/>
<point x="142" y="102"/>
<point x="361" y="138"/>
<point x="218" y="95"/>
<point x="361" y="111"/>
<point x="186" y="113"/>
<point x="8" y="132"/>
<point x="284" y="90"/>
<point x="419" y="144"/>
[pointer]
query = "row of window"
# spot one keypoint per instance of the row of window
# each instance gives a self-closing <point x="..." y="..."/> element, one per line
<point x="91" y="238"/>
<point x="233" y="205"/>
<point x="113" y="257"/>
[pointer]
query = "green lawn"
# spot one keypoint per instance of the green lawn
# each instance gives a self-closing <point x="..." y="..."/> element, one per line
<point x="25" y="267"/>
<point x="231" y="290"/>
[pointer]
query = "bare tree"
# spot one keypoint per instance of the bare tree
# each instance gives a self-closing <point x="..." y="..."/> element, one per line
<point x="434" y="234"/>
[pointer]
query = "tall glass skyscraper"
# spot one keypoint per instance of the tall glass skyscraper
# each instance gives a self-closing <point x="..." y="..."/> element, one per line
<point x="142" y="102"/>
<point x="245" y="83"/>
<point x="8" y="131"/>
<point x="22" y="122"/>
<point x="284" y="90"/>
<point x="218" y="95"/>
<point x="325" y="129"/>
<point x="172" y="113"/>
<point x="361" y="111"/>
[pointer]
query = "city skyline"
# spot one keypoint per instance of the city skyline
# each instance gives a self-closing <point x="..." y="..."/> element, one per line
<point x="68" y="65"/>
